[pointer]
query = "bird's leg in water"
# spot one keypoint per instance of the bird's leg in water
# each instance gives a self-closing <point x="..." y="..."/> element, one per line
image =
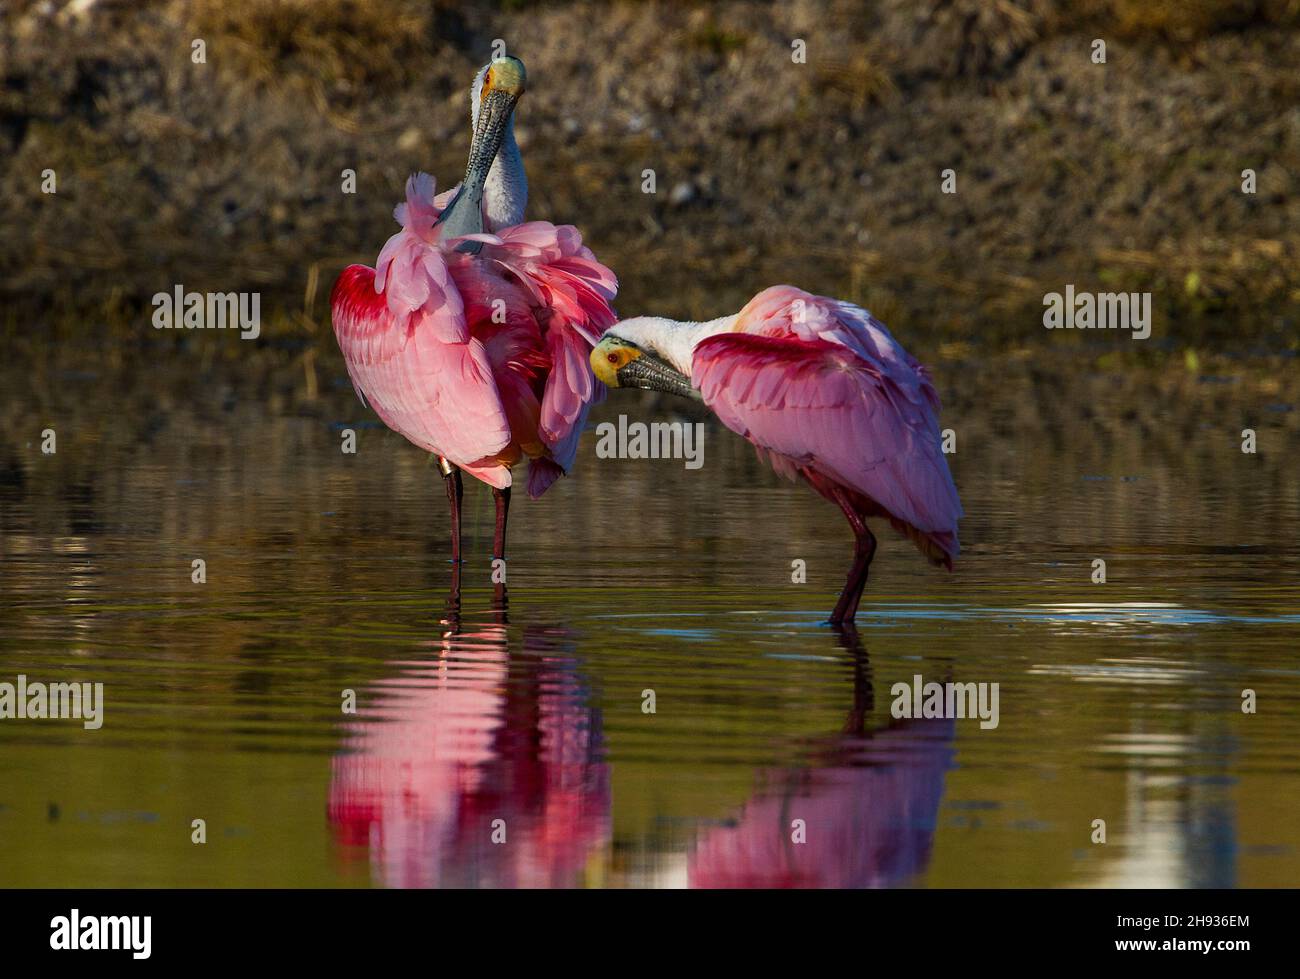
<point x="865" y="552"/>
<point x="864" y="698"/>
<point x="452" y="620"/>
<point x="498" y="541"/>
<point x="864" y="549"/>
<point x="502" y="498"/>
<point x="500" y="606"/>
<point x="455" y="493"/>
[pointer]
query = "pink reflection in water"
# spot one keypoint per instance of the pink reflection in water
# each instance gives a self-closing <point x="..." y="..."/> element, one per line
<point x="447" y="747"/>
<point x="869" y="805"/>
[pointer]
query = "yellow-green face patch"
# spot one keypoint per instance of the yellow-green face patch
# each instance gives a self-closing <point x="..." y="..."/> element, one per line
<point x="505" y="75"/>
<point x="609" y="356"/>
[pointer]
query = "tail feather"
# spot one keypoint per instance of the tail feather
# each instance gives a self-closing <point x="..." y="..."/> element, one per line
<point x="542" y="473"/>
<point x="938" y="548"/>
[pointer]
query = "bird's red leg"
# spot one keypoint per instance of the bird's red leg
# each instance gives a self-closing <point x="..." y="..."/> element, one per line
<point x="870" y="552"/>
<point x="455" y="493"/>
<point x="864" y="549"/>
<point x="502" y="497"/>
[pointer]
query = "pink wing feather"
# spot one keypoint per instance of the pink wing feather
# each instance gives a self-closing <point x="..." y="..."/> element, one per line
<point x="408" y="350"/>
<point x="413" y="333"/>
<point x="565" y="280"/>
<point x="818" y="384"/>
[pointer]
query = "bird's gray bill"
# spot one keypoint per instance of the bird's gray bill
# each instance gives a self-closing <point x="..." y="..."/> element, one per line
<point x="652" y="374"/>
<point x="464" y="215"/>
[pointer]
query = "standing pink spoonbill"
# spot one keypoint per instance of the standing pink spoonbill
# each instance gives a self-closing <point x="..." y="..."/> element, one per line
<point x="824" y="392"/>
<point x="471" y="335"/>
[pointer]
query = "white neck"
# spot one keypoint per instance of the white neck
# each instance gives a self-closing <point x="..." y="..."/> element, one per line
<point x="505" y="193"/>
<point x="672" y="340"/>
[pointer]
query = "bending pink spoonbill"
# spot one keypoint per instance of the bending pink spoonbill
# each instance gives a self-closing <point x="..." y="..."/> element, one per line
<point x="470" y="337"/>
<point x="824" y="392"/>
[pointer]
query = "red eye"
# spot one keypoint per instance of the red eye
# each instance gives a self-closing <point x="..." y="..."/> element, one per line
<point x="613" y="358"/>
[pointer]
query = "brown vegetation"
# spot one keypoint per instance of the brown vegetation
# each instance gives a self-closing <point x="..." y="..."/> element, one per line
<point x="226" y="175"/>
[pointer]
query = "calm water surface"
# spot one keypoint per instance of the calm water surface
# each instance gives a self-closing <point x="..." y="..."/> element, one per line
<point x="327" y="573"/>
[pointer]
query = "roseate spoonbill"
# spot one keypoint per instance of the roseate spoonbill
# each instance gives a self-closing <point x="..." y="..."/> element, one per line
<point x="823" y="391"/>
<point x="470" y="336"/>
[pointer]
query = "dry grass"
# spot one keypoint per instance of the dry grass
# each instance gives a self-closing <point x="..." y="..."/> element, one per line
<point x="862" y="78"/>
<point x="1179" y="21"/>
<point x="824" y="176"/>
<point x="967" y="38"/>
<point x="342" y="46"/>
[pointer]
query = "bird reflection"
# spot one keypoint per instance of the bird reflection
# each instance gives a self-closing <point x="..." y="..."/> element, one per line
<point x="866" y="804"/>
<point x="483" y="767"/>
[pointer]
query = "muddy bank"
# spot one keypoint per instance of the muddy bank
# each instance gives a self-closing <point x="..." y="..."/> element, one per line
<point x="228" y="174"/>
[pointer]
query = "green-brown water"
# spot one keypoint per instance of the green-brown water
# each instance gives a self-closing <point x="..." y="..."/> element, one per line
<point x="327" y="572"/>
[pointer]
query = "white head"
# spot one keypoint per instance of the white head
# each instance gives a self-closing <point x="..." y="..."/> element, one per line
<point x="653" y="352"/>
<point x="500" y="77"/>
<point x="491" y="177"/>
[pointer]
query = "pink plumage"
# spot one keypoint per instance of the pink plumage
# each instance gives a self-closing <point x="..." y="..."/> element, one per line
<point x="443" y="750"/>
<point x="480" y="358"/>
<point x="868" y="806"/>
<point x="823" y="390"/>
